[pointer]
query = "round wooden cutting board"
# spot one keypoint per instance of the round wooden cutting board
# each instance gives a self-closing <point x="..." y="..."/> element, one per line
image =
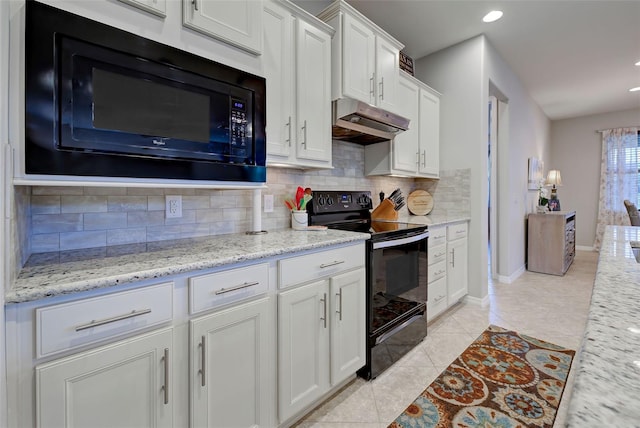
<point x="420" y="202"/>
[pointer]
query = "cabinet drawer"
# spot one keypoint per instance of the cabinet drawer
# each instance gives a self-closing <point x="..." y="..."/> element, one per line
<point x="437" y="254"/>
<point x="74" y="324"/>
<point x="437" y="302"/>
<point x="437" y="236"/>
<point x="229" y="286"/>
<point x="436" y="271"/>
<point x="298" y="270"/>
<point x="456" y="231"/>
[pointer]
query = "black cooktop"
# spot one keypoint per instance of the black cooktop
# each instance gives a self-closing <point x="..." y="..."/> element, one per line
<point x="350" y="210"/>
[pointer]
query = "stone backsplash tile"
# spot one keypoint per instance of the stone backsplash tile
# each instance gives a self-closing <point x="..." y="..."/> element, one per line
<point x="81" y="217"/>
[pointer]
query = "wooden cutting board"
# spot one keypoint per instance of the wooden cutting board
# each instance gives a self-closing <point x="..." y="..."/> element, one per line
<point x="420" y="202"/>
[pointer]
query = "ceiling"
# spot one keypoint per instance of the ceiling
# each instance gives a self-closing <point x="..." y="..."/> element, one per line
<point x="575" y="57"/>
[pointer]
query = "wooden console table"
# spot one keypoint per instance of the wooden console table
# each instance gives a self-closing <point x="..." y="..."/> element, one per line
<point x="551" y="244"/>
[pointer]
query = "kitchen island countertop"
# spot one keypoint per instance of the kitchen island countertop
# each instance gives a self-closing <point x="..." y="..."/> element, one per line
<point x="64" y="272"/>
<point x="607" y="377"/>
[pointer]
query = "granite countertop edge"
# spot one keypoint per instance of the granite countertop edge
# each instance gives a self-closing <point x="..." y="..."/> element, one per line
<point x="607" y="370"/>
<point x="64" y="275"/>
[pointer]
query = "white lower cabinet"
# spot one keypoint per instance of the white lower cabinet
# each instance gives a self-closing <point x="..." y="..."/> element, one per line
<point x="448" y="265"/>
<point x="457" y="262"/>
<point x="321" y="338"/>
<point x="125" y="384"/>
<point x="231" y="366"/>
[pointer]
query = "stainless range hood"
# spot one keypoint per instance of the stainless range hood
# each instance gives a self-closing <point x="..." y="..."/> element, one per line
<point x="363" y="123"/>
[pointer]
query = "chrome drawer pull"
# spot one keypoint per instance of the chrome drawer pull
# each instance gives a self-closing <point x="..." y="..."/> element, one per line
<point x="166" y="376"/>
<point x="339" y="310"/>
<point x="236" y="287"/>
<point x="437" y="299"/>
<point x="95" y="323"/>
<point x="324" y="301"/>
<point x="326" y="265"/>
<point x="203" y="353"/>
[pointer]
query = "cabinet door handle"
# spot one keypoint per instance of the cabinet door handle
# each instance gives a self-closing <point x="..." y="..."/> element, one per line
<point x="339" y="311"/>
<point x="418" y="158"/>
<point x="453" y="257"/>
<point x="381" y="84"/>
<point x="437" y="299"/>
<point x="371" y="84"/>
<point x="236" y="287"/>
<point x="336" y="262"/>
<point x="203" y="355"/>
<point x="304" y="134"/>
<point x="424" y="158"/>
<point x="288" y="124"/>
<point x="324" y="304"/>
<point x="95" y="323"/>
<point x="195" y="4"/>
<point x="166" y="376"/>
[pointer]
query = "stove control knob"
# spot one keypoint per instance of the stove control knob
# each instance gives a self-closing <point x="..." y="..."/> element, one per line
<point x="320" y="200"/>
<point x="329" y="200"/>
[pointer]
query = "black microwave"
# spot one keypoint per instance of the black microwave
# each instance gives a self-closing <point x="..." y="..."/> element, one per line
<point x="103" y="102"/>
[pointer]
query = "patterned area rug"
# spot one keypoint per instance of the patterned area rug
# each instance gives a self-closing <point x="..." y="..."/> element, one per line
<point x="502" y="380"/>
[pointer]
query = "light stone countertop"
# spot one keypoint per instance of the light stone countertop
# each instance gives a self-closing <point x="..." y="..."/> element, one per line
<point x="51" y="274"/>
<point x="64" y="272"/>
<point x="606" y="392"/>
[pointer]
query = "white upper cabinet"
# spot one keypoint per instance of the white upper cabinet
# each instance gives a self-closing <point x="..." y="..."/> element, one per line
<point x="236" y="22"/>
<point x="297" y="66"/>
<point x="157" y="7"/>
<point x="415" y="152"/>
<point x="365" y="58"/>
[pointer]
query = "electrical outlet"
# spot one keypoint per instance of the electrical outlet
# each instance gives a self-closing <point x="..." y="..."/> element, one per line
<point x="173" y="206"/>
<point x="268" y="203"/>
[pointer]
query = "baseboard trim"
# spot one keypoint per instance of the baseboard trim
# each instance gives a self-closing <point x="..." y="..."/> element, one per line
<point x="478" y="301"/>
<point x="509" y="279"/>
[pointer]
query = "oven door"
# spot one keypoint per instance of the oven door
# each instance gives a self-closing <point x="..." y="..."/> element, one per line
<point x="397" y="293"/>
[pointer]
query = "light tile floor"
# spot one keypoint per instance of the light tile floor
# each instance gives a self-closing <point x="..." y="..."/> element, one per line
<point x="548" y="307"/>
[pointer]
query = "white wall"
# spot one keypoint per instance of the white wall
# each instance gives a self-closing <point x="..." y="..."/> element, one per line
<point x="464" y="74"/>
<point x="4" y="135"/>
<point x="576" y="150"/>
<point x="456" y="73"/>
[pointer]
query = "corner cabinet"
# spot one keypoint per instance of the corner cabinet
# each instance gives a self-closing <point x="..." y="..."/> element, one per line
<point x="236" y="22"/>
<point x="551" y="242"/>
<point x="365" y="58"/>
<point x="415" y="152"/>
<point x="321" y="328"/>
<point x="297" y="66"/>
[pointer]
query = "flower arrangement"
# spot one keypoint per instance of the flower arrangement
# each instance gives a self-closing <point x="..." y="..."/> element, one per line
<point x="543" y="194"/>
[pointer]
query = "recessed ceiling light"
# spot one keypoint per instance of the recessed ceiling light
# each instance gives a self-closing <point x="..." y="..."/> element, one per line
<point x="494" y="15"/>
<point x="637" y="88"/>
<point x="638" y="63"/>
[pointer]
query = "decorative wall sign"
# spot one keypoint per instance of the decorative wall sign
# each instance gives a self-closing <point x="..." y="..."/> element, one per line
<point x="406" y="63"/>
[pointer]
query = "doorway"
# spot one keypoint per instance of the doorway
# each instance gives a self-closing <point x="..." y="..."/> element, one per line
<point x="492" y="146"/>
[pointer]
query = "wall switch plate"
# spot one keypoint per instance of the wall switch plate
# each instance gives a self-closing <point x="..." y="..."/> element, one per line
<point x="173" y="206"/>
<point x="268" y="203"/>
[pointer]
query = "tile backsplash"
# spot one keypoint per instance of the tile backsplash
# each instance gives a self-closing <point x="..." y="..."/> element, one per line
<point x="49" y="218"/>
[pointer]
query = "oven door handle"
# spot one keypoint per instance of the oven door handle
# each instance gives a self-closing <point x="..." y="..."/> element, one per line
<point x="401" y="241"/>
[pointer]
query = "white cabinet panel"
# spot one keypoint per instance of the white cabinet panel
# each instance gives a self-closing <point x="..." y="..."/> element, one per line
<point x="231" y="358"/>
<point x="359" y="43"/>
<point x="303" y="343"/>
<point x="82" y="322"/>
<point x="348" y="335"/>
<point x="387" y="64"/>
<point x="126" y="384"/>
<point x="236" y="22"/>
<point x="297" y="66"/>
<point x="157" y="7"/>
<point x="457" y="269"/>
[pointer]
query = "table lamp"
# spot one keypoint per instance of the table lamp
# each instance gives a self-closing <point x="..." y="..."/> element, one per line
<point x="554" y="179"/>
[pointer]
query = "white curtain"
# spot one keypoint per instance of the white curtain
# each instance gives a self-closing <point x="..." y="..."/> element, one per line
<point x="618" y="178"/>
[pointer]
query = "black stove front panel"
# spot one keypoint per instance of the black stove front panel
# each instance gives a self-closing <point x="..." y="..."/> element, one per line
<point x="333" y="201"/>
